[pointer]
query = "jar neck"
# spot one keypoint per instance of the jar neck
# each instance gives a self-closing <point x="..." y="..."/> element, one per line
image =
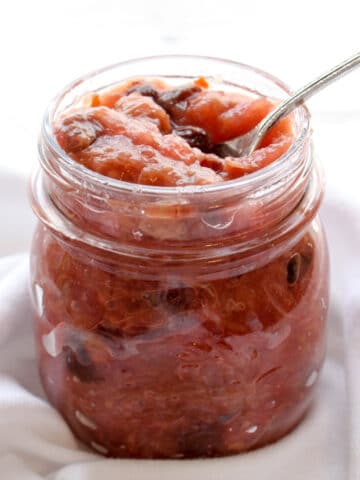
<point x="234" y="225"/>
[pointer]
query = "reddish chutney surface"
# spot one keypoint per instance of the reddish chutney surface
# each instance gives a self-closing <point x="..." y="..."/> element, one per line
<point x="146" y="132"/>
<point x="175" y="365"/>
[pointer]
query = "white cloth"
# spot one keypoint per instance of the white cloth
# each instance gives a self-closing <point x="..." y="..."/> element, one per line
<point x="35" y="442"/>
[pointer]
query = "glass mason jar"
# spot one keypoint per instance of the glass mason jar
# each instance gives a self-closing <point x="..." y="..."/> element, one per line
<point x="179" y="322"/>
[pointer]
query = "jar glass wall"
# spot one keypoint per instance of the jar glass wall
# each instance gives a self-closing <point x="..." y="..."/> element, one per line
<point x="179" y="322"/>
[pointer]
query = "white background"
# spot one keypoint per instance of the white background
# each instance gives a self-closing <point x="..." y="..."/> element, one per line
<point x="46" y="44"/>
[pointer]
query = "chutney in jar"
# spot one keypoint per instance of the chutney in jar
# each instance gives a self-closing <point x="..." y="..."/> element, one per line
<point x="180" y="295"/>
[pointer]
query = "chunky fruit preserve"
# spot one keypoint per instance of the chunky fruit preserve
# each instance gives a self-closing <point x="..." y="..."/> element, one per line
<point x="146" y="132"/>
<point x="179" y="293"/>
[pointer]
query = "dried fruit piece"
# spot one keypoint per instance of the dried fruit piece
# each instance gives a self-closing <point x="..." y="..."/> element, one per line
<point x="179" y="298"/>
<point x="201" y="438"/>
<point x="293" y="269"/>
<point x="77" y="132"/>
<point x="170" y="99"/>
<point x="196" y="137"/>
<point x="79" y="363"/>
<point x="146" y="90"/>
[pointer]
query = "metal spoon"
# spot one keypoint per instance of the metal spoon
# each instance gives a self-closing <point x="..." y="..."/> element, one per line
<point x="245" y="144"/>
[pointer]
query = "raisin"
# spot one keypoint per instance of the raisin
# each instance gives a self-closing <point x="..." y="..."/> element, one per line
<point x="77" y="134"/>
<point x="293" y="269"/>
<point x="146" y="90"/>
<point x="205" y="439"/>
<point x="179" y="298"/>
<point x="79" y="363"/>
<point x="196" y="137"/>
<point x="171" y="98"/>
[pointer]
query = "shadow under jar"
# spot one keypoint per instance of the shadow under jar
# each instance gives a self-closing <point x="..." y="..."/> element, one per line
<point x="177" y="322"/>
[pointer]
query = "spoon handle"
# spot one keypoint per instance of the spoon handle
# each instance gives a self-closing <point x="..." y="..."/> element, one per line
<point x="302" y="94"/>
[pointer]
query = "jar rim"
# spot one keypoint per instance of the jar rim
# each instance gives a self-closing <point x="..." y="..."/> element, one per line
<point x="246" y="183"/>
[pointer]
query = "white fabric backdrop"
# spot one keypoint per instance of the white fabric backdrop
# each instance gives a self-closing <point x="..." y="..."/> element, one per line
<point x="45" y="45"/>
